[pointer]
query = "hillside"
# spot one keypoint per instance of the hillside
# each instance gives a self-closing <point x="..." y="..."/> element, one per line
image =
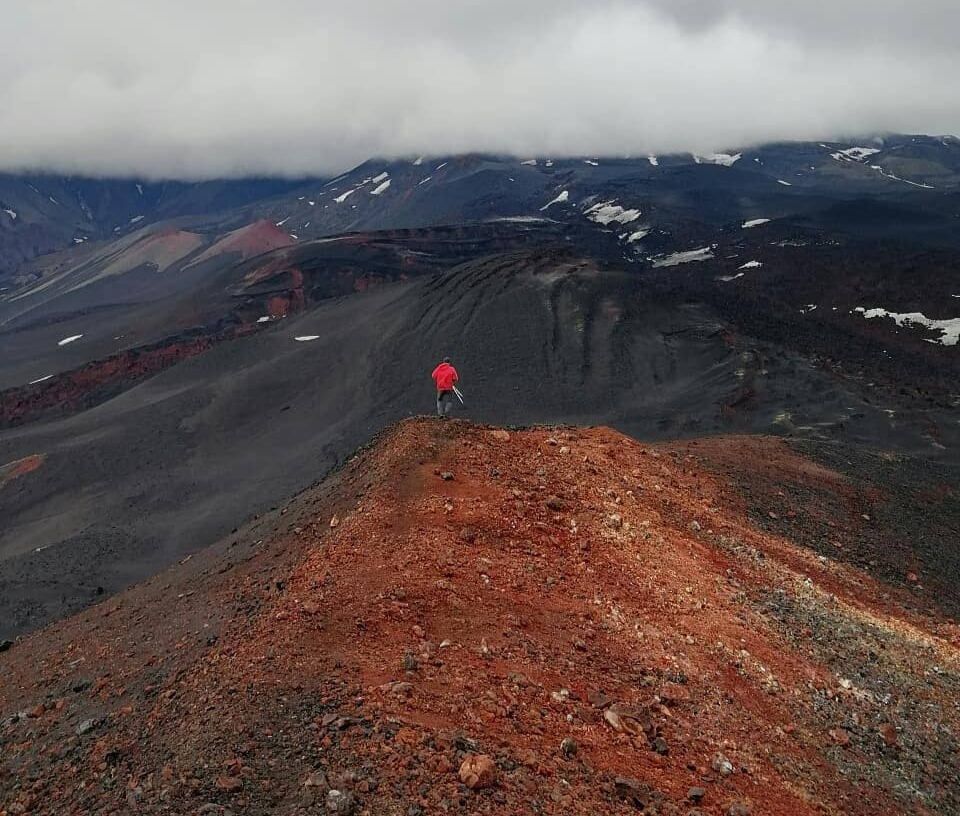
<point x="556" y="620"/>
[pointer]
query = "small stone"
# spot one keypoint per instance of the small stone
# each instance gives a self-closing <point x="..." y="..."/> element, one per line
<point x="335" y="521"/>
<point x="840" y="736"/>
<point x="568" y="748"/>
<point x="694" y="526"/>
<point x="502" y="435"/>
<point x="410" y="662"/>
<point x="634" y="791"/>
<point x="85" y="727"/>
<point x="552" y="441"/>
<point x="614" y="521"/>
<point x="722" y="765"/>
<point x="468" y="534"/>
<point x="739" y="808"/>
<point x="6" y="645"/>
<point x="37" y="712"/>
<point x="556" y="503"/>
<point x="660" y="746"/>
<point x="564" y="450"/>
<point x="229" y="784"/>
<point x="912" y="578"/>
<point x="446" y="475"/>
<point x="341" y="803"/>
<point x="478" y="771"/>
<point x="888" y="733"/>
<point x="696" y="795"/>
<point x="310" y="607"/>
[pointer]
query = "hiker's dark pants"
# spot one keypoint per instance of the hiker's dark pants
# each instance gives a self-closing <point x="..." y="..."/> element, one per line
<point x="444" y="402"/>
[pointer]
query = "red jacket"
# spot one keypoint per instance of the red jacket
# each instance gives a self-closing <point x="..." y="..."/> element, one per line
<point x="444" y="375"/>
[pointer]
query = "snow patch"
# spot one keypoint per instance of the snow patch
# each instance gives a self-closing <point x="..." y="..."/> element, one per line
<point x="784" y="183"/>
<point x="425" y="180"/>
<point x="12" y="214"/>
<point x="608" y="212"/>
<point x="79" y="240"/>
<point x="889" y="175"/>
<point x="140" y="189"/>
<point x="751" y="265"/>
<point x="560" y="199"/>
<point x="40" y="379"/>
<point x="653" y="160"/>
<point x="548" y="164"/>
<point x="856" y="154"/>
<point x="439" y="167"/>
<point x="281" y="223"/>
<point x="137" y="219"/>
<point x="380" y="188"/>
<point x="808" y="308"/>
<point x="341" y="198"/>
<point x="71" y="339"/>
<point x="418" y="161"/>
<point x="723" y="159"/>
<point x="54" y="200"/>
<point x="949" y="329"/>
<point x="639" y="235"/>
<point x="531" y="162"/>
<point x="755" y="222"/>
<point x="312" y="203"/>
<point x="381" y="177"/>
<point x="591" y="163"/>
<point x="690" y="256"/>
<point x="728" y="278"/>
<point x="264" y="319"/>
<point x="306" y="338"/>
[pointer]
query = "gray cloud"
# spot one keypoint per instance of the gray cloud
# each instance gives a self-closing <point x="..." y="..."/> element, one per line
<point x="227" y="88"/>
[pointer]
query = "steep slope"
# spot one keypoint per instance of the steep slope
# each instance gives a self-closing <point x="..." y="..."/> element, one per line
<point x="157" y="450"/>
<point x="591" y="624"/>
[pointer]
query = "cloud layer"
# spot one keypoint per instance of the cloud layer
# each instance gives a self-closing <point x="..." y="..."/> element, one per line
<point x="187" y="89"/>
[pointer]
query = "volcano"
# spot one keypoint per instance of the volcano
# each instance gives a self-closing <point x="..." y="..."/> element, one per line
<point x="472" y="619"/>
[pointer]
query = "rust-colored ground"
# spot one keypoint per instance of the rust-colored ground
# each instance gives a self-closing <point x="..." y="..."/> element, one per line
<point x="600" y="617"/>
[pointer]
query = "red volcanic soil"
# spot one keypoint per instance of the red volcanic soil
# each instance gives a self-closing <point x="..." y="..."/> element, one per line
<point x="21" y="467"/>
<point x="468" y="620"/>
<point x="99" y="380"/>
<point x="253" y="239"/>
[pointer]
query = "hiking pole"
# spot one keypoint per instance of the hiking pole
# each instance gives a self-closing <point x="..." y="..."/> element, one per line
<point x="459" y="395"/>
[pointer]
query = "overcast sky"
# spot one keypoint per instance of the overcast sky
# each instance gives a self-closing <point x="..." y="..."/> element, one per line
<point x="171" y="88"/>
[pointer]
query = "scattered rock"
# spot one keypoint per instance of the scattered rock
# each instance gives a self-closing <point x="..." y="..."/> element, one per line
<point x="341" y="803"/>
<point x="446" y="475"/>
<point x="568" y="748"/>
<point x="556" y="503"/>
<point x="468" y="534"/>
<point x="627" y="720"/>
<point x="739" y="808"/>
<point x="5" y="645"/>
<point x="37" y="712"/>
<point x="614" y="521"/>
<point x="478" y="771"/>
<point x="634" y="791"/>
<point x="564" y="450"/>
<point x="552" y="441"/>
<point x="85" y="727"/>
<point x="502" y="435"/>
<point x="912" y="578"/>
<point x="840" y="736"/>
<point x="722" y="765"/>
<point x="694" y="526"/>
<point x="696" y="795"/>
<point x="888" y="733"/>
<point x="410" y="662"/>
<point x="229" y="784"/>
<point x="335" y="521"/>
<point x="310" y="607"/>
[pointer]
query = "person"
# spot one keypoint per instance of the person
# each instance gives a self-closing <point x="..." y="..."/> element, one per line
<point x="444" y="375"/>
